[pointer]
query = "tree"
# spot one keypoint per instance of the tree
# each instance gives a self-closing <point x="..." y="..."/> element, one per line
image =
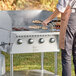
<point x="14" y="2"/>
<point x="44" y="1"/>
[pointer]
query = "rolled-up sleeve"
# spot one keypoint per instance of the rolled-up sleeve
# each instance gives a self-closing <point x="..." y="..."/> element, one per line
<point x="62" y="4"/>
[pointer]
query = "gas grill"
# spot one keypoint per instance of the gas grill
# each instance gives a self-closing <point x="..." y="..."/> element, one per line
<point x="19" y="33"/>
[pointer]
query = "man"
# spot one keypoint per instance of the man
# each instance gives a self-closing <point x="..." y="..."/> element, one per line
<point x="67" y="42"/>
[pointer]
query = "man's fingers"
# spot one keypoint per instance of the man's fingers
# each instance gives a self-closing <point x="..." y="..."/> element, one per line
<point x="43" y="23"/>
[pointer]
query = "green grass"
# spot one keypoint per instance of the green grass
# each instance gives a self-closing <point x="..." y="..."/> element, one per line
<point x="33" y="61"/>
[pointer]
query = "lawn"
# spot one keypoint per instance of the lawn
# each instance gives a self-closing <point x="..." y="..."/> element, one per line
<point x="33" y="61"/>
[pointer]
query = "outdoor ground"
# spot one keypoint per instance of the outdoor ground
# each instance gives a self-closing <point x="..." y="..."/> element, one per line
<point x="33" y="61"/>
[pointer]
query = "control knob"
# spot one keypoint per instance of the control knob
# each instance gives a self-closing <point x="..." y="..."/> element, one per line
<point x="19" y="41"/>
<point x="41" y="40"/>
<point x="30" y="41"/>
<point x="52" y="40"/>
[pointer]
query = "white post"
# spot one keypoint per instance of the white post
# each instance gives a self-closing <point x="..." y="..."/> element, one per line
<point x="55" y="63"/>
<point x="11" y="65"/>
<point x="0" y="64"/>
<point x="42" y="61"/>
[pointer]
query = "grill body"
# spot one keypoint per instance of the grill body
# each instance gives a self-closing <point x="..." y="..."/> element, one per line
<point x="9" y="38"/>
<point x="23" y="41"/>
<point x="36" y="46"/>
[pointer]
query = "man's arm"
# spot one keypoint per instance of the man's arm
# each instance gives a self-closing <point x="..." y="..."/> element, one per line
<point x="61" y="8"/>
<point x="55" y="13"/>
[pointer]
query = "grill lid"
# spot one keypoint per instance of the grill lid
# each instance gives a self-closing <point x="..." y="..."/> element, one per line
<point x="5" y="21"/>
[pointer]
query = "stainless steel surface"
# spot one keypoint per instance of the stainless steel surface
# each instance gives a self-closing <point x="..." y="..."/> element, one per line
<point x="4" y="38"/>
<point x="55" y="63"/>
<point x="5" y="29"/>
<point x="42" y="61"/>
<point x="25" y="18"/>
<point x="41" y="40"/>
<point x="30" y="41"/>
<point x="17" y="37"/>
<point x="35" y="46"/>
<point x="18" y="40"/>
<point x="2" y="64"/>
<point x="11" y="65"/>
<point x="5" y="21"/>
<point x="31" y="73"/>
<point x="52" y="40"/>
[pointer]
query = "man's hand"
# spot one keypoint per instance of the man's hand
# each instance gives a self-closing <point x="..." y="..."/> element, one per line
<point x="55" y="13"/>
<point x="45" y="23"/>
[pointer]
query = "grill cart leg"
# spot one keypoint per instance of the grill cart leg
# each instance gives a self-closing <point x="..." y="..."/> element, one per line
<point x="11" y="65"/>
<point x="42" y="61"/>
<point x="55" y="63"/>
<point x="0" y="65"/>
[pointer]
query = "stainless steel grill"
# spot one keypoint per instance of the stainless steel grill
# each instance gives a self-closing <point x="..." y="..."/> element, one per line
<point x="19" y="33"/>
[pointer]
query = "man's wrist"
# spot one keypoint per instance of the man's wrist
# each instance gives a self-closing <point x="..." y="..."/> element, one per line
<point x="48" y="20"/>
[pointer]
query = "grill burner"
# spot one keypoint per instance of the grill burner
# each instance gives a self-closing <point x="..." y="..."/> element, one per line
<point x="50" y="27"/>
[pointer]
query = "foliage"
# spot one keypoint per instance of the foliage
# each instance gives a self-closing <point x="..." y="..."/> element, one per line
<point x="28" y="4"/>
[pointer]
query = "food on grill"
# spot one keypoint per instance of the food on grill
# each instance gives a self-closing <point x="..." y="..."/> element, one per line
<point x="19" y="29"/>
<point x="44" y="28"/>
<point x="38" y="27"/>
<point x="58" y="25"/>
<point x="34" y="27"/>
<point x="37" y="21"/>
